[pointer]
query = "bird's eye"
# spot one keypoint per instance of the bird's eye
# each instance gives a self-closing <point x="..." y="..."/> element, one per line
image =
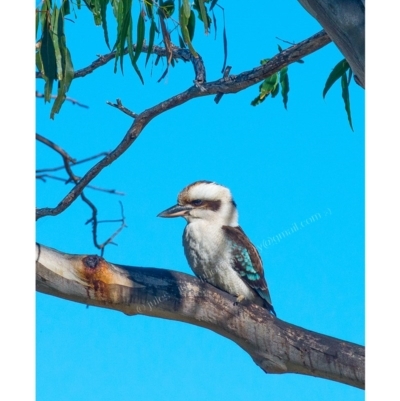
<point x="196" y="202"/>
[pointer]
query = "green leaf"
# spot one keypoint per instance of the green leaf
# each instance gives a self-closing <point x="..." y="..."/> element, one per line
<point x="115" y="6"/>
<point x="37" y="20"/>
<point x="48" y="58"/>
<point x="213" y="3"/>
<point x="275" y="90"/>
<point x="149" y="8"/>
<point x="96" y="12"/>
<point x="225" y="41"/>
<point x="44" y="15"/>
<point x="67" y="69"/>
<point x="152" y="33"/>
<point x="203" y="14"/>
<point x="55" y="36"/>
<point x="269" y="84"/>
<point x="131" y="54"/>
<point x="167" y="7"/>
<point x="65" y="83"/>
<point x="346" y="98"/>
<point x="39" y="62"/>
<point x="280" y="49"/>
<point x="191" y="25"/>
<point x="336" y="73"/>
<point x="140" y="36"/>
<point x="186" y="8"/>
<point x="258" y="100"/>
<point x="65" y="8"/>
<point x="181" y="42"/>
<point x="124" y="20"/>
<point x="350" y="75"/>
<point x="183" y="21"/>
<point x="284" y="81"/>
<point x="103" y="13"/>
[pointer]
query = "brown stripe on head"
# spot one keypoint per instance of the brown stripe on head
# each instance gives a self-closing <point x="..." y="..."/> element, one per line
<point x="210" y="205"/>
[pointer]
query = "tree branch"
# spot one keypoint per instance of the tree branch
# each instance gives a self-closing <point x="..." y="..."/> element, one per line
<point x="274" y="345"/>
<point x="67" y="159"/>
<point x="177" y="54"/>
<point x="230" y="84"/>
<point x="344" y="22"/>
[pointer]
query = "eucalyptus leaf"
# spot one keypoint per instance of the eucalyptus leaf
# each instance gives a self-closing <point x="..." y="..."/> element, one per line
<point x="186" y="8"/>
<point x="337" y="72"/>
<point x="152" y="34"/>
<point x="346" y="98"/>
<point x="185" y="32"/>
<point x="140" y="36"/>
<point x="284" y="82"/>
<point x="103" y="13"/>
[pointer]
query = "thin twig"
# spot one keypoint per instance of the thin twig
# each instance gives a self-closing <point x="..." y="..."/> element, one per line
<point x="69" y="99"/>
<point x="55" y="147"/>
<point x="285" y="41"/>
<point x="96" y="222"/>
<point x="68" y="181"/>
<point x="121" y="107"/>
<point x="45" y="170"/>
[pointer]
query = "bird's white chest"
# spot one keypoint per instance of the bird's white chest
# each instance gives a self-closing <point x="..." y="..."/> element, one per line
<point x="208" y="253"/>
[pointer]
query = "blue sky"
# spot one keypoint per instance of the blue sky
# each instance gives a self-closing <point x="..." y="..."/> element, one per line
<point x="283" y="167"/>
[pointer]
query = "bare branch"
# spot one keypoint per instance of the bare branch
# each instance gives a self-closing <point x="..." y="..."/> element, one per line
<point x="274" y="345"/>
<point x="121" y="107"/>
<point x="55" y="147"/>
<point x="178" y="54"/>
<point x="231" y="84"/>
<point x="95" y="222"/>
<point x="74" y="179"/>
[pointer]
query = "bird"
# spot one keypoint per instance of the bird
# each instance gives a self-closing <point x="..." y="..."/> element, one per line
<point x="216" y="248"/>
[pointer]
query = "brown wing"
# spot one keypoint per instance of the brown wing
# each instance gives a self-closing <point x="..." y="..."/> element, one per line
<point x="247" y="262"/>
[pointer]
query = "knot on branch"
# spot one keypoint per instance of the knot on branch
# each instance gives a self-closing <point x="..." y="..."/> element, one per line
<point x="92" y="261"/>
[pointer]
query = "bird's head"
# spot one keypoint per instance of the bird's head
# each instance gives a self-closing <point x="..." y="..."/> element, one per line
<point x="205" y="200"/>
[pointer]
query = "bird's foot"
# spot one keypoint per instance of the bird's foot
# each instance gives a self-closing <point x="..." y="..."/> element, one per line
<point x="239" y="299"/>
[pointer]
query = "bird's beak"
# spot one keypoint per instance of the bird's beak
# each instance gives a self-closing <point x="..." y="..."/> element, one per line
<point x="175" y="211"/>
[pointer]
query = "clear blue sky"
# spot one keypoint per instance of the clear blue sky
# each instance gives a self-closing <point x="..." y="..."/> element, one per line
<point x="283" y="167"/>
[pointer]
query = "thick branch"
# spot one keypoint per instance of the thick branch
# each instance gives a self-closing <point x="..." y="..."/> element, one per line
<point x="231" y="84"/>
<point x="275" y="346"/>
<point x="344" y="21"/>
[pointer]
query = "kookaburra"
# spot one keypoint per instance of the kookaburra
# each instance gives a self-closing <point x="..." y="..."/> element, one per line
<point x="217" y="249"/>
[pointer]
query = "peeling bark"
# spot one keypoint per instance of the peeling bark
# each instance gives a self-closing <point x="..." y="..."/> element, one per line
<point x="274" y="345"/>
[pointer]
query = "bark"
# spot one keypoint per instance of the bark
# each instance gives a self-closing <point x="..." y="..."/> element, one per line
<point x="274" y="345"/>
<point x="344" y="22"/>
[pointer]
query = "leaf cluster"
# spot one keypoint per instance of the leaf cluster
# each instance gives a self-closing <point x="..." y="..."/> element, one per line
<point x="154" y="17"/>
<point x="343" y="72"/>
<point x="53" y="58"/>
<point x="271" y="85"/>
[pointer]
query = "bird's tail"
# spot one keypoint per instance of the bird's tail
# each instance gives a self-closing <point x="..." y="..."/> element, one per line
<point x="267" y="301"/>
